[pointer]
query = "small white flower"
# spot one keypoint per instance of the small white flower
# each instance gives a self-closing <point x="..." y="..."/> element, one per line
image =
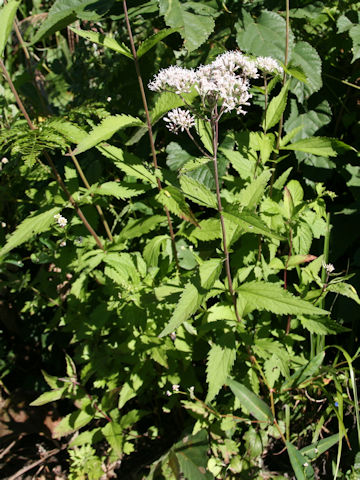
<point x="3" y="224"/>
<point x="191" y="391"/>
<point x="174" y="78"/>
<point x="63" y="243"/>
<point x="61" y="220"/>
<point x="329" y="267"/>
<point x="4" y="161"/>
<point x="179" y="119"/>
<point x="173" y="336"/>
<point x="168" y="393"/>
<point x="305" y="464"/>
<point x="108" y="99"/>
<point x="175" y="388"/>
<point x="269" y="65"/>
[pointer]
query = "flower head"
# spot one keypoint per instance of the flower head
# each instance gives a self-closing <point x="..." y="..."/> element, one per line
<point x="174" y="78"/>
<point x="175" y="388"/>
<point x="329" y="267"/>
<point x="269" y="65"/>
<point x="61" y="220"/>
<point x="179" y="119"/>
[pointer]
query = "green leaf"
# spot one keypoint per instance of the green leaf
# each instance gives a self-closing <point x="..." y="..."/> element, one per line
<point x="154" y="39"/>
<point x="72" y="422"/>
<point x="106" y="130"/>
<point x="304" y="372"/>
<point x="71" y="132"/>
<point x="61" y="14"/>
<point x="344" y="289"/>
<point x="257" y="407"/>
<point x="300" y="465"/>
<point x="48" y="397"/>
<point x="187" y="305"/>
<point x="30" y="227"/>
<point x="276" y="108"/>
<point x="117" y="190"/>
<point x="140" y="227"/>
<point x="191" y="453"/>
<point x="113" y="433"/>
<point x="103" y="40"/>
<point x="208" y="230"/>
<point x="221" y="358"/>
<point x="265" y="37"/>
<point x="273" y="298"/>
<point x="152" y="250"/>
<point x="174" y="200"/>
<point x="305" y="56"/>
<point x="312" y="452"/>
<point x="209" y="272"/>
<point x="197" y="192"/>
<point x="321" y="146"/>
<point x="128" y="163"/>
<point x="168" y="101"/>
<point x="251" y="195"/>
<point x="243" y="166"/>
<point x="355" y="37"/>
<point x="194" y="29"/>
<point x="203" y="129"/>
<point x="251" y="223"/>
<point x="7" y="15"/>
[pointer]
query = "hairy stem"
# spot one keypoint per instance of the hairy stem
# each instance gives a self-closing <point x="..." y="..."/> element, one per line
<point x="149" y="126"/>
<point x="49" y="160"/>
<point x="215" y="128"/>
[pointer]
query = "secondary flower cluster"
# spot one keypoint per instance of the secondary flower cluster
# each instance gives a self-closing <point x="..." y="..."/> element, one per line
<point x="225" y="81"/>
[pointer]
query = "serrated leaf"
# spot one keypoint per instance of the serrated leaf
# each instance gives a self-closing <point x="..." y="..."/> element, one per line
<point x="251" y="223"/>
<point x="168" y="101"/>
<point x="197" y="192"/>
<point x="30" y="227"/>
<point x="7" y="15"/>
<point x="220" y="359"/>
<point x="344" y="289"/>
<point x="257" y="407"/>
<point x="272" y="370"/>
<point x="305" y="56"/>
<point x="117" y="190"/>
<point x="203" y="129"/>
<point x="140" y="227"/>
<point x="273" y="298"/>
<point x="251" y="195"/>
<point x="174" y="200"/>
<point x="187" y="305"/>
<point x="71" y="132"/>
<point x="153" y="40"/>
<point x="106" y="130"/>
<point x="300" y="465"/>
<point x="152" y="250"/>
<point x="48" y="397"/>
<point x="194" y="29"/>
<point x="265" y="37"/>
<point x="276" y="108"/>
<point x="208" y="230"/>
<point x="191" y="453"/>
<point x="209" y="272"/>
<point x="72" y="422"/>
<point x="321" y="146"/>
<point x="128" y="163"/>
<point x="113" y="433"/>
<point x="103" y="40"/>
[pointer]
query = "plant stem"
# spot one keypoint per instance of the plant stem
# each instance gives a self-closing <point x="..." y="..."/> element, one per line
<point x="48" y="158"/>
<point x="149" y="126"/>
<point x="215" y="128"/>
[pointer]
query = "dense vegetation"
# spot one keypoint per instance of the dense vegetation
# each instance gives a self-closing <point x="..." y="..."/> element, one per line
<point x="179" y="246"/>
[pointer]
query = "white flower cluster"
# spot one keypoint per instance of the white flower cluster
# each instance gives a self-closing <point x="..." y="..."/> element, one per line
<point x="179" y="119"/>
<point x="224" y="81"/>
<point x="269" y="65"/>
<point x="61" y="220"/>
<point x="329" y="267"/>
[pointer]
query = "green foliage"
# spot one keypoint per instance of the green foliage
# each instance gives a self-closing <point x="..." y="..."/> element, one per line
<point x="7" y="15"/>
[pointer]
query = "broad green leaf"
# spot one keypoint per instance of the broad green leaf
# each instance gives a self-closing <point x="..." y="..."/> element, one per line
<point x="305" y="56"/>
<point x="152" y="250"/>
<point x="128" y="163"/>
<point x="305" y="372"/>
<point x="302" y="469"/>
<point x="208" y="230"/>
<point x="113" y="433"/>
<point x="174" y="200"/>
<point x="265" y="37"/>
<point x="187" y="305"/>
<point x="316" y="449"/>
<point x="7" y="15"/>
<point x="72" y="422"/>
<point x="203" y="129"/>
<point x="191" y="453"/>
<point x="276" y="108"/>
<point x="62" y="13"/>
<point x="29" y="228"/>
<point x="194" y="29"/>
<point x="153" y="40"/>
<point x="106" y="130"/>
<point x="87" y="437"/>
<point x="251" y="195"/>
<point x="48" y="397"/>
<point x="220" y="359"/>
<point x="273" y="298"/>
<point x="71" y="132"/>
<point x="140" y="227"/>
<point x="251" y="223"/>
<point x="168" y="101"/>
<point x="197" y="192"/>
<point x="117" y="190"/>
<point x="303" y="124"/>
<point x="344" y="289"/>
<point x="104" y="40"/>
<point x="209" y="272"/>
<point x="355" y="37"/>
<point x="321" y="146"/>
<point x="257" y="407"/>
<point x="243" y="166"/>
